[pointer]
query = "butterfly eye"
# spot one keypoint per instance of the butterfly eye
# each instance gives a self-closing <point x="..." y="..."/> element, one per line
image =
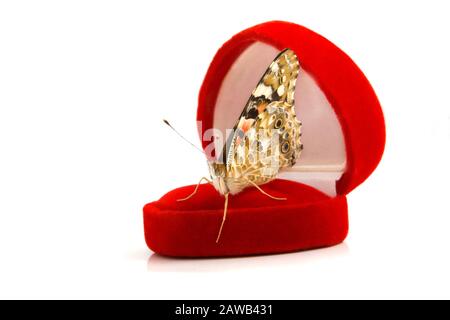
<point x="285" y="147"/>
<point x="278" y="123"/>
<point x="285" y="135"/>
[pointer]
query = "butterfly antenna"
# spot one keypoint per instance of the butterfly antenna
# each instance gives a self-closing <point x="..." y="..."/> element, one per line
<point x="181" y="136"/>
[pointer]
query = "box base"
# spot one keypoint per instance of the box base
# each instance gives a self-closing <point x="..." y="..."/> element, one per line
<point x="255" y="224"/>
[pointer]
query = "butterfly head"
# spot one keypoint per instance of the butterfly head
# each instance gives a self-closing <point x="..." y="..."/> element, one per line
<point x="218" y="175"/>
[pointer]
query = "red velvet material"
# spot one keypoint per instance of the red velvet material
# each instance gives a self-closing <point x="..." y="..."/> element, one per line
<point x="257" y="224"/>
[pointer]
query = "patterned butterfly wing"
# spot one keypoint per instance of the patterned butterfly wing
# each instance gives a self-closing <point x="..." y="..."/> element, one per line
<point x="267" y="135"/>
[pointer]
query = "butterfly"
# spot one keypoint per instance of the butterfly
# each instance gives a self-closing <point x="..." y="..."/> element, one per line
<point x="265" y="138"/>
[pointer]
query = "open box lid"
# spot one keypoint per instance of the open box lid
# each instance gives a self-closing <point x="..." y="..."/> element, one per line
<point x="343" y="130"/>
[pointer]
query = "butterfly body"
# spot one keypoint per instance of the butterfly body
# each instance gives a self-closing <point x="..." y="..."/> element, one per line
<point x="266" y="137"/>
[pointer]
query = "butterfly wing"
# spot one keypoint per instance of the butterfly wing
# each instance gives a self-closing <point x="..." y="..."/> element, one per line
<point x="266" y="137"/>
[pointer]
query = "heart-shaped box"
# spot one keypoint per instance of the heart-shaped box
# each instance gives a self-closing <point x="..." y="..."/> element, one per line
<point x="343" y="134"/>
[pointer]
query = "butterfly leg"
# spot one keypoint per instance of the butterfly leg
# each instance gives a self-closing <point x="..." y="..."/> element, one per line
<point x="225" y="209"/>
<point x="195" y="190"/>
<point x="263" y="192"/>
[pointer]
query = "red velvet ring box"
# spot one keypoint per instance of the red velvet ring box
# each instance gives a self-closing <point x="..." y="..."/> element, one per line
<point x="343" y="134"/>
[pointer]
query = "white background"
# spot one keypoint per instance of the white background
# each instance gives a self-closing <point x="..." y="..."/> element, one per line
<point x="83" y="88"/>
